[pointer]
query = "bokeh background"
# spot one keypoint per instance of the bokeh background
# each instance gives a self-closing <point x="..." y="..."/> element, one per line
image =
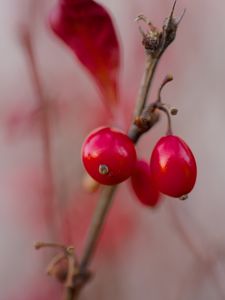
<point x="176" y="251"/>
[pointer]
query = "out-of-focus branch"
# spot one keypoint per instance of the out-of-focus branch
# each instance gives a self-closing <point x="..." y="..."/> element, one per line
<point x="192" y="235"/>
<point x="45" y="126"/>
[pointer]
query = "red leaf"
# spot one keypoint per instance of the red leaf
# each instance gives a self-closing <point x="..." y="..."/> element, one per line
<point x="87" y="29"/>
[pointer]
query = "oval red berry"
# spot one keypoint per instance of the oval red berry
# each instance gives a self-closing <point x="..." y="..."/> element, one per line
<point x="173" y="166"/>
<point x="108" y="155"/>
<point x="143" y="185"/>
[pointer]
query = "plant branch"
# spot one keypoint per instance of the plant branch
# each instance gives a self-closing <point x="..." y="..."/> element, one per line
<point x="96" y="227"/>
<point x="71" y="293"/>
<point x="155" y="43"/>
<point x="27" y="44"/>
<point x="102" y="209"/>
<point x="150" y="67"/>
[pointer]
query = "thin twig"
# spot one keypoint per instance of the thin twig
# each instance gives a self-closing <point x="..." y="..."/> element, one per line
<point x="71" y="293"/>
<point x="39" y="245"/>
<point x="97" y="224"/>
<point x="93" y="235"/>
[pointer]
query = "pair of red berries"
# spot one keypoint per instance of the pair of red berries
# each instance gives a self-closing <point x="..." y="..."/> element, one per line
<point x="109" y="156"/>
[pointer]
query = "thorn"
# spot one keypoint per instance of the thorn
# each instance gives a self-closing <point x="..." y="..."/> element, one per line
<point x="138" y="19"/>
<point x="141" y="31"/>
<point x="172" y="11"/>
<point x="181" y="17"/>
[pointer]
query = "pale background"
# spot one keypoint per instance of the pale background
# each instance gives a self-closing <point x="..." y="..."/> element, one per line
<point x="175" y="252"/>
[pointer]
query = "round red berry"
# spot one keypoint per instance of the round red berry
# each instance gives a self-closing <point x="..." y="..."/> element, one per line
<point x="173" y="166"/>
<point x="108" y="155"/>
<point x="143" y="185"/>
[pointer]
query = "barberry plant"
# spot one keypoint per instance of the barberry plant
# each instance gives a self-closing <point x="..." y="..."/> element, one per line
<point x="109" y="155"/>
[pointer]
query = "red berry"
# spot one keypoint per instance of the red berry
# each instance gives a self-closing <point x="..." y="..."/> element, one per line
<point x="173" y="166"/>
<point x="143" y="184"/>
<point x="109" y="155"/>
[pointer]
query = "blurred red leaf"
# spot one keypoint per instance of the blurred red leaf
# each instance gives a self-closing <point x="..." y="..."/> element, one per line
<point x="87" y="29"/>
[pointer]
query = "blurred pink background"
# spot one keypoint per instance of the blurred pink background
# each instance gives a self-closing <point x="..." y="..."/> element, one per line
<point x="174" y="252"/>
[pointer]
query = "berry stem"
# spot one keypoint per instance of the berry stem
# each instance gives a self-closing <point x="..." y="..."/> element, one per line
<point x="167" y="79"/>
<point x="169" y="123"/>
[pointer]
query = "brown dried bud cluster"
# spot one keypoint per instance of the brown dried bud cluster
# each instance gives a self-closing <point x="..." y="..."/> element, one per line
<point x="152" y="40"/>
<point x="156" y="41"/>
